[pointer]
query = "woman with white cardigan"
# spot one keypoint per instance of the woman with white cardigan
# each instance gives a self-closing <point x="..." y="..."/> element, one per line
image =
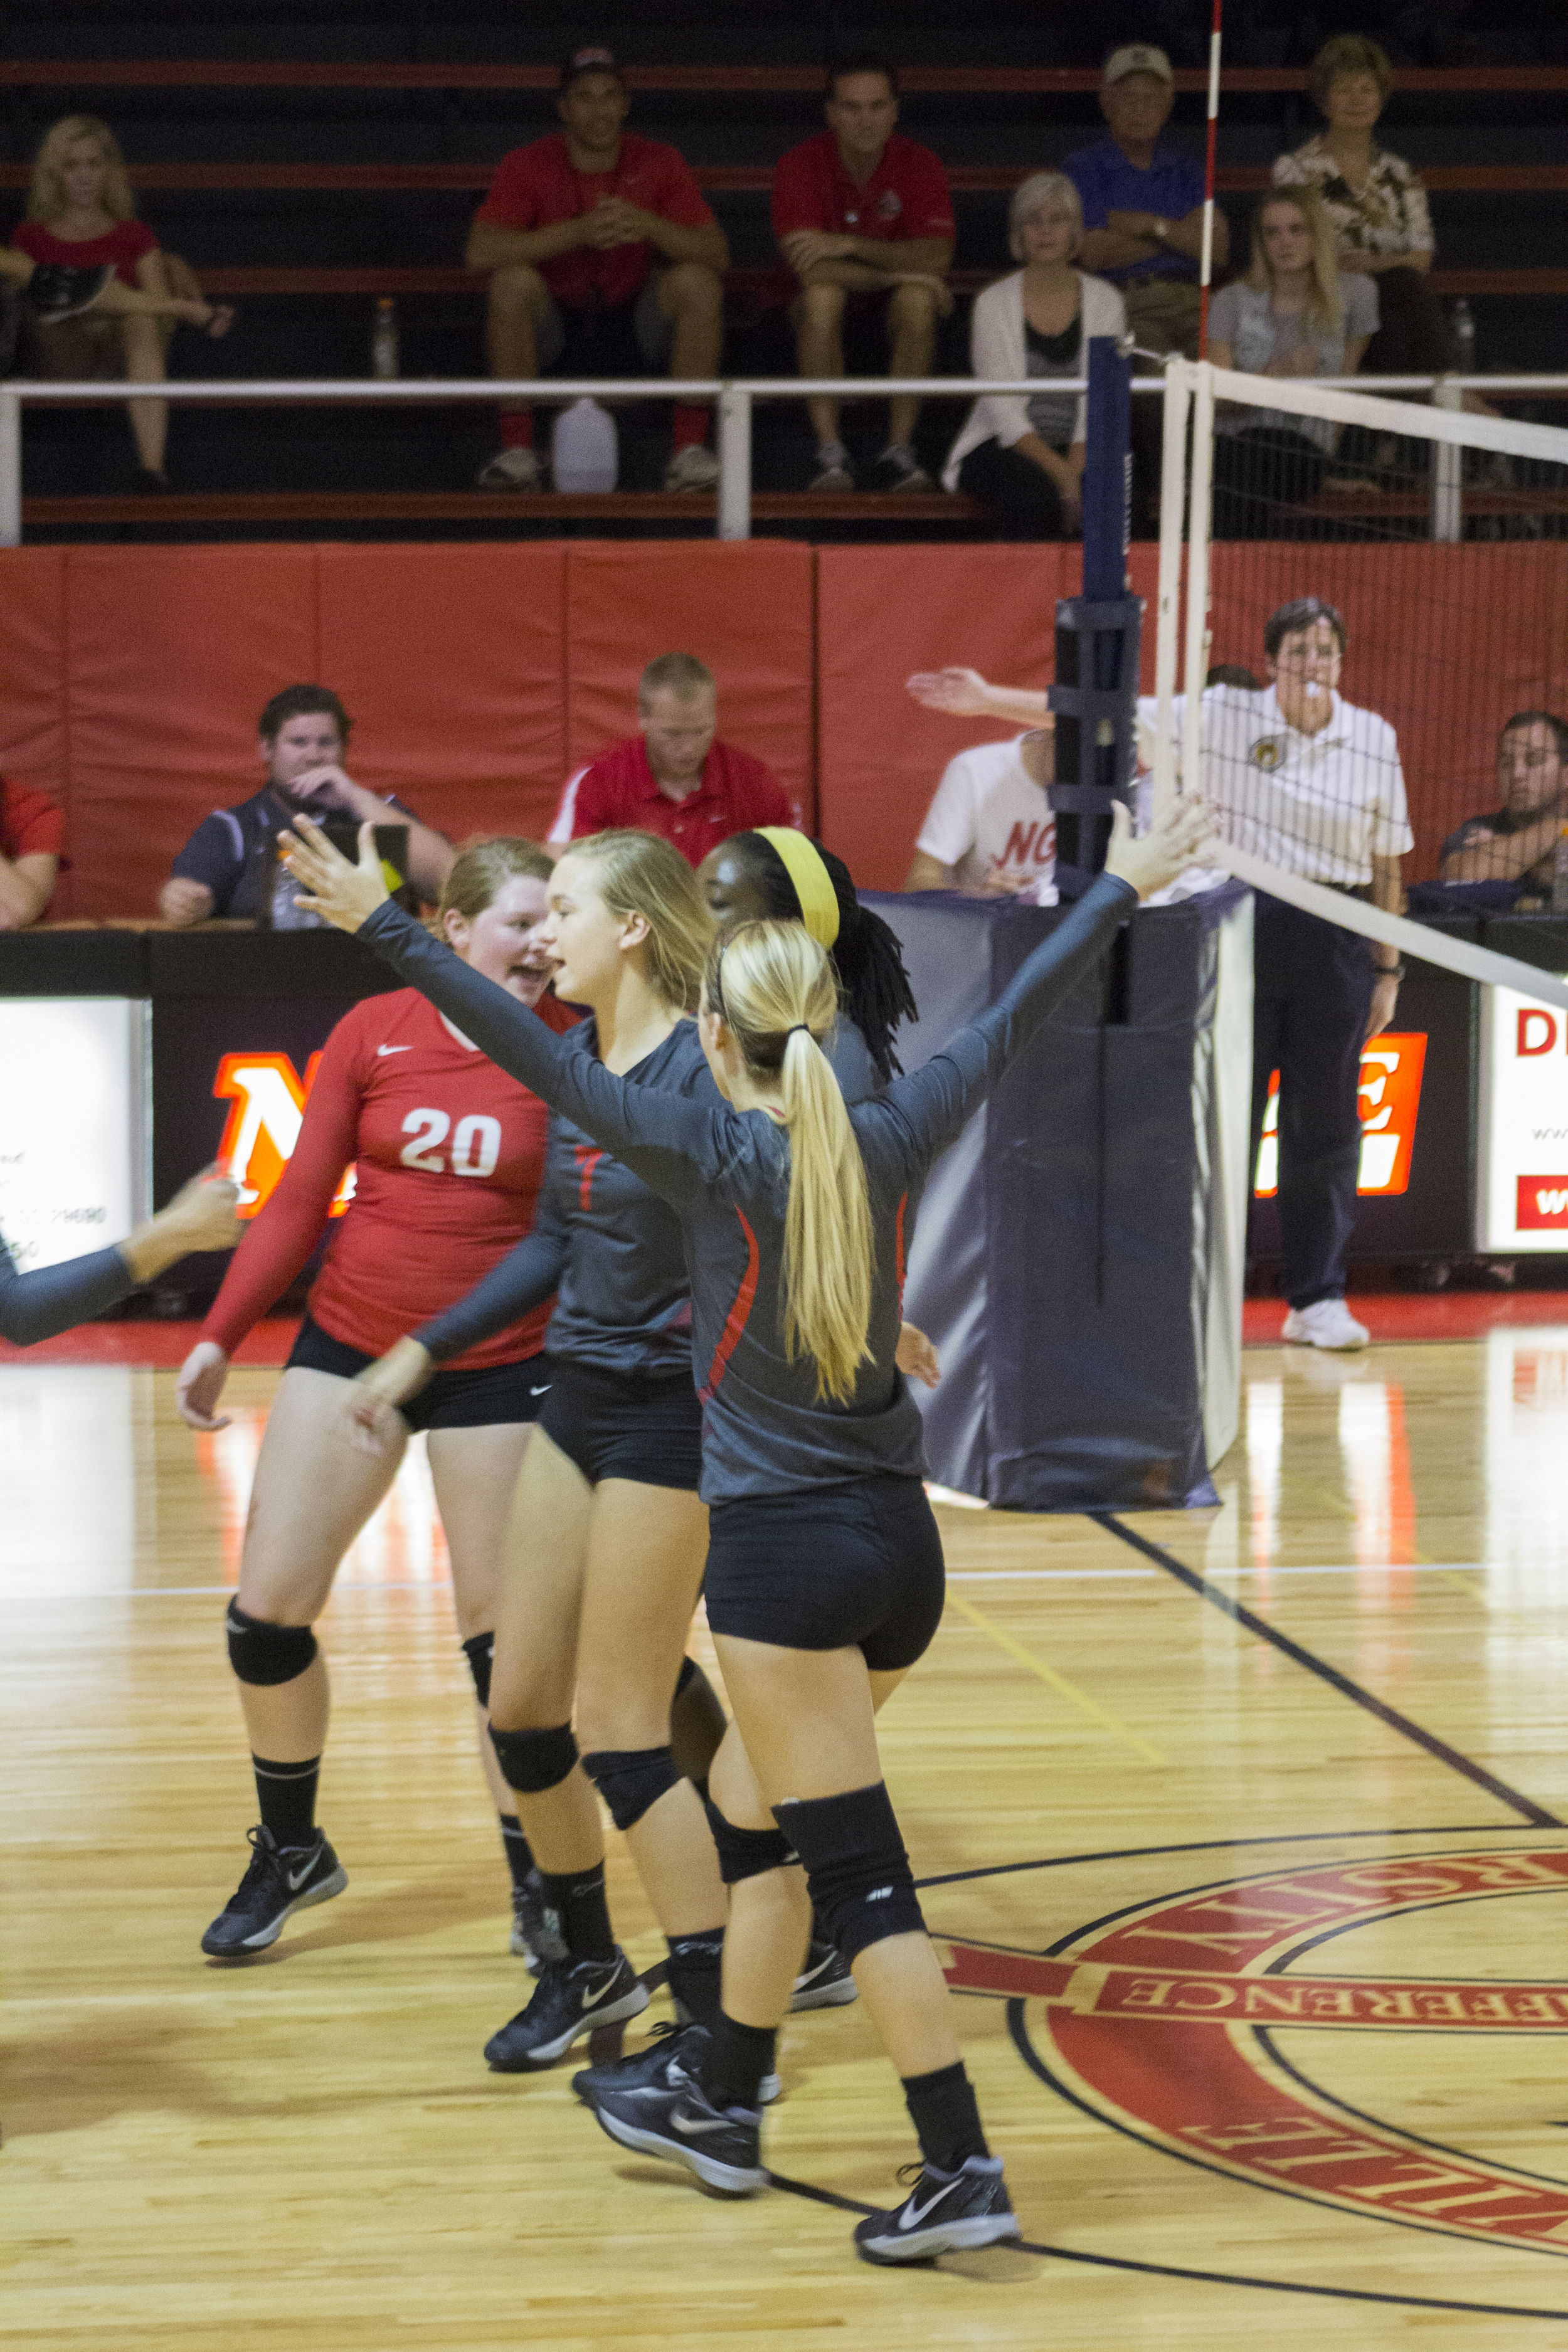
<point x="1022" y="457"/>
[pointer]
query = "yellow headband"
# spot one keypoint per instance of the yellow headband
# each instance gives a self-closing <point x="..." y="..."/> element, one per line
<point x="813" y="883"/>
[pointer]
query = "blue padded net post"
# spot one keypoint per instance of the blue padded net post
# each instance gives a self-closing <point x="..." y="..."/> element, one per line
<point x="1095" y="696"/>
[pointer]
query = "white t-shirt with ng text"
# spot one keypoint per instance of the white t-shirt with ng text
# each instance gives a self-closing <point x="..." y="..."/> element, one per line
<point x="987" y="812"/>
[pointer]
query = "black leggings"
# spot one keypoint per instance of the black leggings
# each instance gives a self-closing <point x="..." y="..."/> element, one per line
<point x="1412" y="338"/>
<point x="1020" y="494"/>
<point x="1259" y="475"/>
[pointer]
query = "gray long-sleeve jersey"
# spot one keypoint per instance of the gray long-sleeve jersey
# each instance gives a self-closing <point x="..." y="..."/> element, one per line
<point x="726" y="1175"/>
<point x="612" y="1250"/>
<point x="51" y="1299"/>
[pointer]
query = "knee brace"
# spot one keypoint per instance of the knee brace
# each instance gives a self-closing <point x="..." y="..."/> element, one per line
<point x="855" y="1867"/>
<point x="265" y="1655"/>
<point x="631" y="1781"/>
<point x="479" y="1652"/>
<point x="746" y="1854"/>
<point x="533" y="1761"/>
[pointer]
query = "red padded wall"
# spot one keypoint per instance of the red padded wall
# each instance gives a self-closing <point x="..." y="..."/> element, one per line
<point x="33" y="739"/>
<point x="450" y="659"/>
<point x="745" y="607"/>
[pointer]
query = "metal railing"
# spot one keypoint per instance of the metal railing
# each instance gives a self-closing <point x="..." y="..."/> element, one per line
<point x="734" y="400"/>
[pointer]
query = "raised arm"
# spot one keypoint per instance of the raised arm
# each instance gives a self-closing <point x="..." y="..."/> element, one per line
<point x="52" y="1298"/>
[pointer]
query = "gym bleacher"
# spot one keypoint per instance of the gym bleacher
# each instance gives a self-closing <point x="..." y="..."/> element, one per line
<point x="308" y="157"/>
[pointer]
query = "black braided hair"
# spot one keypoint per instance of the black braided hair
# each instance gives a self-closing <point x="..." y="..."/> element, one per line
<point x="866" y="954"/>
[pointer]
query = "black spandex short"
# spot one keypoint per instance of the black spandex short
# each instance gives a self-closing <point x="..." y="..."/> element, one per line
<point x="482" y="1398"/>
<point x="644" y="1426"/>
<point x="855" y="1565"/>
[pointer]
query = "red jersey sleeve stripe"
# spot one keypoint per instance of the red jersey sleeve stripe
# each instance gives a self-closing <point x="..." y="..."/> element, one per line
<point x="898" y="1243"/>
<point x="587" y="1160"/>
<point x="735" y="1323"/>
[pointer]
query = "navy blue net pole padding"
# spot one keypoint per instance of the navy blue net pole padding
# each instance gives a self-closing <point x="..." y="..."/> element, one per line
<point x="1095" y="696"/>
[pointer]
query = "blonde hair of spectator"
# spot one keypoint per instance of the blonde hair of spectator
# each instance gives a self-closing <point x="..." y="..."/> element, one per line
<point x="775" y="988"/>
<point x="1043" y="191"/>
<point x="1347" y="53"/>
<point x="47" y="188"/>
<point x="481" y="872"/>
<point x="639" y="873"/>
<point x="1326" y="302"/>
<point x="681" y="675"/>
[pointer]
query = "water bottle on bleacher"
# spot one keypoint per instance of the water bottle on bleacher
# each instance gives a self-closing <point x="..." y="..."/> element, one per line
<point x="584" y="454"/>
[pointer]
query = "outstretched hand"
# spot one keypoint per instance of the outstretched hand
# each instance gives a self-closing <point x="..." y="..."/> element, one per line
<point x="346" y="895"/>
<point x="916" y="1356"/>
<point x="1154" y="858"/>
<point x="957" y="693"/>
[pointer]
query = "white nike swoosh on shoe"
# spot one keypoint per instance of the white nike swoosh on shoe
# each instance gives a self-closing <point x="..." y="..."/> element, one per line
<point x="395" y="1049"/>
<point x="592" y="1999"/>
<point x="295" y="1883"/>
<point x="697" y="2123"/>
<point x="913" y="2215"/>
<point x="544" y="1391"/>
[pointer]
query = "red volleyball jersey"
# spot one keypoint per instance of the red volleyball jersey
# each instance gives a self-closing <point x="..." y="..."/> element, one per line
<point x="449" y="1154"/>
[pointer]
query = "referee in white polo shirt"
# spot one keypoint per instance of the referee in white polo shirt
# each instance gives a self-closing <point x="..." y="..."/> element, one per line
<point x="1312" y="785"/>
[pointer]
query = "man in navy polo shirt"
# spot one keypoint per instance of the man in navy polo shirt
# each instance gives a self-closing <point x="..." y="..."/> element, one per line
<point x="1143" y="204"/>
<point x="864" y="219"/>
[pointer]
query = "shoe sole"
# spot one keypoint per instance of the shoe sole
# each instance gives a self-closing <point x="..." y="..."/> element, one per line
<point x="545" y="2054"/>
<point x="271" y="1933"/>
<point x="1326" y="1347"/>
<point x="724" y="2179"/>
<point x="837" y="1994"/>
<point x="769" y="2090"/>
<point x="949" y="2238"/>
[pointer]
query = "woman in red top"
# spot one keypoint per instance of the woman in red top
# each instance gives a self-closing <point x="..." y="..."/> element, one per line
<point x="81" y="213"/>
<point x="447" y="1154"/>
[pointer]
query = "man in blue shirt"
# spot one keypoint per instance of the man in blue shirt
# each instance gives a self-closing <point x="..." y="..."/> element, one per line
<point x="1143" y="204"/>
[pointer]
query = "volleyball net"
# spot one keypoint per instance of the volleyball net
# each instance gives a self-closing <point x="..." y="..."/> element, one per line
<point x="1362" y="656"/>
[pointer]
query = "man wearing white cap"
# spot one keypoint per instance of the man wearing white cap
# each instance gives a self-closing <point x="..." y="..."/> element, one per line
<point x="1143" y="204"/>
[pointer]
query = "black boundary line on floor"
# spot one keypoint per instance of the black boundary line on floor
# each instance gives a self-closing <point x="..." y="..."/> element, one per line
<point x="1214" y="1845"/>
<point x="1037" y="2065"/>
<point x="1537" y="1815"/>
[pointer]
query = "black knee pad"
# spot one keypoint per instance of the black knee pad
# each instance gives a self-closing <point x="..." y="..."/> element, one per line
<point x="479" y="1652"/>
<point x="265" y="1655"/>
<point x="855" y="1867"/>
<point x="631" y="1780"/>
<point x="746" y="1854"/>
<point x="533" y="1761"/>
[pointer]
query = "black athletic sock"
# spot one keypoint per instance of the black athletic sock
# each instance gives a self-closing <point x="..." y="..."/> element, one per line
<point x="287" y="1795"/>
<point x="518" y="1852"/>
<point x="736" y="2060"/>
<point x="577" y="1899"/>
<point x="695" y="1963"/>
<point x="943" y="2112"/>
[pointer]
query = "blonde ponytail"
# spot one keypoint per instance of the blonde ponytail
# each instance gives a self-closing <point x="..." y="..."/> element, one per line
<point x="775" y="988"/>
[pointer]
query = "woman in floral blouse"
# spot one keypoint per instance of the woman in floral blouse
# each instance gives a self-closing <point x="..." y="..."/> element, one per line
<point x="1377" y="206"/>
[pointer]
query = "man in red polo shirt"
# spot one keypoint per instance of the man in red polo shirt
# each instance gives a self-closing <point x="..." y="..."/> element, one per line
<point x="601" y="252"/>
<point x="672" y="778"/>
<point x="32" y="830"/>
<point x="864" y="219"/>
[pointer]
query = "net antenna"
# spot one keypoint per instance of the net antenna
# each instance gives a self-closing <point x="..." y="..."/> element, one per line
<point x="1448" y="637"/>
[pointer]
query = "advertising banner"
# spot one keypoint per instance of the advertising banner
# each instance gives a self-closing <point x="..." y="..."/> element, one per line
<point x="1522" y="1174"/>
<point x="74" y="1173"/>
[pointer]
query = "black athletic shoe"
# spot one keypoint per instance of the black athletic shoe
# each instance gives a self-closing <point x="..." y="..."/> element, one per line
<point x="280" y="1879"/>
<point x="825" y="1982"/>
<point x="569" y="2000"/>
<point x="944" y="2213"/>
<point x="645" y="2066"/>
<point x="671" y="2116"/>
<point x="55" y="291"/>
<point x="536" y="1935"/>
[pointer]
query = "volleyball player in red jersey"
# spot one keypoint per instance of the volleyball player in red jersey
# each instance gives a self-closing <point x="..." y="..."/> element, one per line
<point x="448" y="1153"/>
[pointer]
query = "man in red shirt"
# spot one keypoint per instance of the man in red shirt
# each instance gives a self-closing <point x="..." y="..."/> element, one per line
<point x="864" y="219"/>
<point x="600" y="251"/>
<point x="32" y="830"/>
<point x="672" y="778"/>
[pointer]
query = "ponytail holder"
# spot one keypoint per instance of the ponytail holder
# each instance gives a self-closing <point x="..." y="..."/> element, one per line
<point x="802" y="861"/>
<point x="801" y="1027"/>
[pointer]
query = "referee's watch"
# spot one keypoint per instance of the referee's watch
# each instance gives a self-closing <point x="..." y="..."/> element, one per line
<point x="1389" y="971"/>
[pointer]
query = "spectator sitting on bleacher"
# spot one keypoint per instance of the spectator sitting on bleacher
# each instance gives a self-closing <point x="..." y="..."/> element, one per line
<point x="671" y="777"/>
<point x="989" y="830"/>
<point x="81" y="214"/>
<point x="1511" y="853"/>
<point x="1293" y="315"/>
<point x="226" y="866"/>
<point x="32" y="830"/>
<point x="603" y="253"/>
<point x="1377" y="206"/>
<point x="1023" y="457"/>
<point x="1143" y="204"/>
<point x="864" y="219"/>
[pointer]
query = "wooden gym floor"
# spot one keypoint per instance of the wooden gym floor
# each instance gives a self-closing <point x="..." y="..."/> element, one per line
<point x="1226" y="1820"/>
